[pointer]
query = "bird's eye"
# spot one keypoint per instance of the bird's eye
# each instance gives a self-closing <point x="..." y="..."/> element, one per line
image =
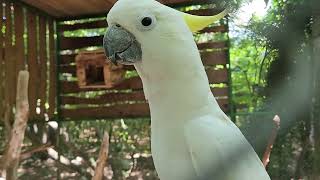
<point x="147" y="22"/>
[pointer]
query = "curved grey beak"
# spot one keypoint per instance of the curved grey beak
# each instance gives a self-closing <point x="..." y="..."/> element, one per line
<point x="121" y="46"/>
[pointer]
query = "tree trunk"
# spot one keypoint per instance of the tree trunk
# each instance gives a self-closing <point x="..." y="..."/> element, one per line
<point x="316" y="91"/>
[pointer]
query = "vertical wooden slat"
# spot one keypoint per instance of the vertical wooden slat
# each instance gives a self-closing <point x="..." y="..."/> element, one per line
<point x="1" y="63"/>
<point x="32" y="62"/>
<point x="43" y="64"/>
<point x="19" y="44"/>
<point x="9" y="58"/>
<point x="53" y="70"/>
<point x="19" y="32"/>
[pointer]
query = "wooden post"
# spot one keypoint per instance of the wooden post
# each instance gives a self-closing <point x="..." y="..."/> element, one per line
<point x="10" y="161"/>
<point x="266" y="155"/>
<point x="102" y="159"/>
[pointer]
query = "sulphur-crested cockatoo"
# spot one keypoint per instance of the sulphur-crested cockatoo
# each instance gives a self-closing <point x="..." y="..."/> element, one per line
<point x="191" y="137"/>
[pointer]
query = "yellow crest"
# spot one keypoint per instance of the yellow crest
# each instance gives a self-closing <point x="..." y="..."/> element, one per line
<point x="197" y="23"/>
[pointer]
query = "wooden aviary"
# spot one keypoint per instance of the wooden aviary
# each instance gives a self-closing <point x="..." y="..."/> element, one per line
<point x="94" y="70"/>
<point x="126" y="99"/>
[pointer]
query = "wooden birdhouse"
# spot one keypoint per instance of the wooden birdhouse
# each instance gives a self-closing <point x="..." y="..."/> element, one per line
<point x="95" y="71"/>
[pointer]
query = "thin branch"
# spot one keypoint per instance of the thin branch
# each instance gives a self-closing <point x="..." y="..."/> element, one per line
<point x="266" y="155"/>
<point x="29" y="153"/>
<point x="262" y="64"/>
<point x="102" y="159"/>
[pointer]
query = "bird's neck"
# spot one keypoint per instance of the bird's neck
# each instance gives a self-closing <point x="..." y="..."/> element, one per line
<point x="178" y="95"/>
<point x="174" y="79"/>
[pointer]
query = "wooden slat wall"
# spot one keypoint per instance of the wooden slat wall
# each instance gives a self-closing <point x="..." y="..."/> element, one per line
<point x="26" y="45"/>
<point x="127" y="99"/>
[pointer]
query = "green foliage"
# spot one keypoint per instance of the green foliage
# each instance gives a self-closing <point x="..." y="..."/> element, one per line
<point x="249" y="64"/>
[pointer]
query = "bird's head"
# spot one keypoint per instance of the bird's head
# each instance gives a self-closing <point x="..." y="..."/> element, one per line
<point x="144" y="28"/>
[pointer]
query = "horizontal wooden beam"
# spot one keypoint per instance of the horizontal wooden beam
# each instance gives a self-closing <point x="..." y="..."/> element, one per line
<point x="215" y="29"/>
<point x="208" y="59"/>
<point x="103" y="24"/>
<point x="214" y="58"/>
<point x="105" y="99"/>
<point x="123" y="97"/>
<point x="172" y="3"/>
<point x="86" y="25"/>
<point x="212" y="45"/>
<point x="217" y="76"/>
<point x="72" y="43"/>
<point x="205" y="12"/>
<point x="120" y="111"/>
<point x="134" y="83"/>
<point x="67" y="59"/>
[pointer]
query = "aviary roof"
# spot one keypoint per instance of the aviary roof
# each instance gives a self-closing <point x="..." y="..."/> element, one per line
<point x="77" y="8"/>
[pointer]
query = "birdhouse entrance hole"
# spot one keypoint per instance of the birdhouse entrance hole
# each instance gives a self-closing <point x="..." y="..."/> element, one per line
<point x="95" y="71"/>
<point x="94" y="75"/>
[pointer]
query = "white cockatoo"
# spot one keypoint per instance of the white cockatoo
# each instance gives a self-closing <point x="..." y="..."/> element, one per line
<point x="191" y="137"/>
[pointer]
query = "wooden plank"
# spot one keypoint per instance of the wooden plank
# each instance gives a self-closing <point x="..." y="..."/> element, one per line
<point x="43" y="64"/>
<point x="2" y="64"/>
<point x="85" y="25"/>
<point x="214" y="76"/>
<point x="134" y="83"/>
<point x="44" y="6"/>
<point x="215" y="29"/>
<point x="9" y="56"/>
<point x="71" y="8"/>
<point x="117" y="111"/>
<point x="120" y="111"/>
<point x="15" y="54"/>
<point x="212" y="45"/>
<point x="205" y="12"/>
<point x="224" y="104"/>
<point x="53" y="70"/>
<point x="220" y="92"/>
<point x="72" y="43"/>
<point x="123" y="97"/>
<point x="67" y="59"/>
<point x="19" y="33"/>
<point x="214" y="58"/>
<point x="105" y="99"/>
<point x="208" y="59"/>
<point x="72" y="69"/>
<point x="32" y="63"/>
<point x="217" y="76"/>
